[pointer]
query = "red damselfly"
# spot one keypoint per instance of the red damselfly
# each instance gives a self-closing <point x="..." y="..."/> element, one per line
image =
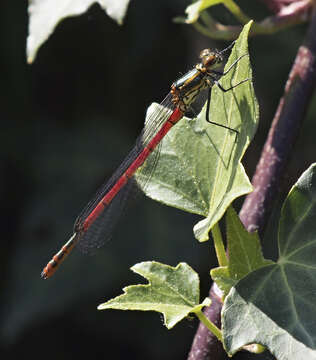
<point x="95" y="223"/>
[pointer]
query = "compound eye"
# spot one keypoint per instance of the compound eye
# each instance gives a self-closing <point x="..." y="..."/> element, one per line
<point x="210" y="60"/>
<point x="208" y="57"/>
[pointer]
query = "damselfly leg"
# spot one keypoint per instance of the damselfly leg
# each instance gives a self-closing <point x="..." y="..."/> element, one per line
<point x="213" y="74"/>
<point x="95" y="223"/>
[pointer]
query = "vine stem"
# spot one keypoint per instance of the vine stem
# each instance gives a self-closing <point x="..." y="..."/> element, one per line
<point x="268" y="176"/>
<point x="236" y="11"/>
<point x="282" y="135"/>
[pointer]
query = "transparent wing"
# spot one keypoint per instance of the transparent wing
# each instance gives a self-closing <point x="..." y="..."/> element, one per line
<point x="102" y="227"/>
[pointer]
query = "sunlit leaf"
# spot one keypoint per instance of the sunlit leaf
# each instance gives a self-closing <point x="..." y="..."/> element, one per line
<point x="199" y="168"/>
<point x="172" y="291"/>
<point x="275" y="306"/>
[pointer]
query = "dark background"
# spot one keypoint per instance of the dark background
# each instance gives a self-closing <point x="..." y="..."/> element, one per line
<point x="67" y="122"/>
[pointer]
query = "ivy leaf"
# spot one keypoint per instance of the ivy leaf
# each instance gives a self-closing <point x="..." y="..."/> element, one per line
<point x="172" y="291"/>
<point x="275" y="306"/>
<point x="46" y="14"/>
<point x="244" y="254"/>
<point x="199" y="168"/>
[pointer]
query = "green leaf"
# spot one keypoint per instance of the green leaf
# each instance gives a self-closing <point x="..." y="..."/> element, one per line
<point x="46" y="14"/>
<point x="173" y="291"/>
<point x="199" y="168"/>
<point x="194" y="10"/>
<point x="275" y="306"/>
<point x="244" y="254"/>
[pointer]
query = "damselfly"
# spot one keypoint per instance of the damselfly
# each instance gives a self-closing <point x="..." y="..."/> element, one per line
<point x="95" y="223"/>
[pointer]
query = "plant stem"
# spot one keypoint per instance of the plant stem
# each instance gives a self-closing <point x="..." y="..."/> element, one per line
<point x="266" y="181"/>
<point x="205" y="345"/>
<point x="219" y="246"/>
<point x="282" y="135"/>
<point x="211" y="326"/>
<point x="236" y="11"/>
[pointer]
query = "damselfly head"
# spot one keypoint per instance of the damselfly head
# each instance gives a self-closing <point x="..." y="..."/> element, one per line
<point x="210" y="58"/>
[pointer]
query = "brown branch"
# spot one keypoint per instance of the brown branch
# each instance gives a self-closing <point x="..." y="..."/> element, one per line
<point x="282" y="135"/>
<point x="266" y="181"/>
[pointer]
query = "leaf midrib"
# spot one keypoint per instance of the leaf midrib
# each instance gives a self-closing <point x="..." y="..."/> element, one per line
<point x="219" y="167"/>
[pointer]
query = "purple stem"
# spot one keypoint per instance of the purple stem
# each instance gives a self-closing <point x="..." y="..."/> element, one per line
<point x="282" y="135"/>
<point x="270" y="169"/>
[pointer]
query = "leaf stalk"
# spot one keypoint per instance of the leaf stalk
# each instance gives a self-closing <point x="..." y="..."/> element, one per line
<point x="211" y="326"/>
<point x="219" y="246"/>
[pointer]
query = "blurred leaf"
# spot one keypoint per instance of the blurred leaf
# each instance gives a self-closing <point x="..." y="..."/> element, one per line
<point x="199" y="168"/>
<point x="173" y="291"/>
<point x="46" y="14"/>
<point x="244" y="254"/>
<point x="275" y="305"/>
<point x="193" y="11"/>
